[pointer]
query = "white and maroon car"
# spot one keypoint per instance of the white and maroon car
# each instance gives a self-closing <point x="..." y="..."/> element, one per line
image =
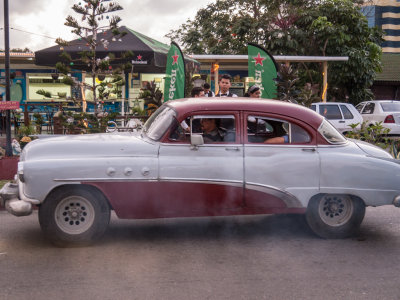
<point x="268" y="157"/>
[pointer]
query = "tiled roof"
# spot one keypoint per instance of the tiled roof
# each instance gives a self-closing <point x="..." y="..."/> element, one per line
<point x="390" y="68"/>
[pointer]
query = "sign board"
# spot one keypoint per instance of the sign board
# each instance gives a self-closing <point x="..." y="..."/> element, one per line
<point x="6" y="105"/>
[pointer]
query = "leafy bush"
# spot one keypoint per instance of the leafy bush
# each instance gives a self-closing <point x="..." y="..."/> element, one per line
<point x="374" y="134"/>
<point x="26" y="131"/>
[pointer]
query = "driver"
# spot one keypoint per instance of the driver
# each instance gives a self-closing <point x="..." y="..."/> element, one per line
<point x="211" y="133"/>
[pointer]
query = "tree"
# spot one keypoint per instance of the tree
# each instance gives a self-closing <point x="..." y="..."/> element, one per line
<point x="339" y="29"/>
<point x="293" y="27"/>
<point x="93" y="13"/>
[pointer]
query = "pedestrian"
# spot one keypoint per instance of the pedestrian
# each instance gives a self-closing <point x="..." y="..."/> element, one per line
<point x="207" y="91"/>
<point x="253" y="92"/>
<point x="224" y="85"/>
<point x="197" y="92"/>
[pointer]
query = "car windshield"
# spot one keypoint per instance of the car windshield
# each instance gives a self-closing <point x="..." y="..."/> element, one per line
<point x="159" y="122"/>
<point x="390" y="106"/>
<point x="330" y="133"/>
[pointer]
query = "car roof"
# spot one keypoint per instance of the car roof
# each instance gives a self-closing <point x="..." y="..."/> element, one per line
<point x="380" y="101"/>
<point x="182" y="106"/>
<point x="332" y="103"/>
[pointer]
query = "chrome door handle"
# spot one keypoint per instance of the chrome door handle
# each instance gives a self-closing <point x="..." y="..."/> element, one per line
<point x="308" y="149"/>
<point x="232" y="148"/>
<point x="341" y="121"/>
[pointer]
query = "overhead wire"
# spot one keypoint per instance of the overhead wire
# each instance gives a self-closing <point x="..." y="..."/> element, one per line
<point x="25" y="31"/>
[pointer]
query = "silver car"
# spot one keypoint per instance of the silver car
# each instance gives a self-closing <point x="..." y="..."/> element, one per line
<point x="233" y="157"/>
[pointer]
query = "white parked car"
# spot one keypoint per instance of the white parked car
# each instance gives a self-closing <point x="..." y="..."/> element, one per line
<point x="385" y="111"/>
<point x="341" y="115"/>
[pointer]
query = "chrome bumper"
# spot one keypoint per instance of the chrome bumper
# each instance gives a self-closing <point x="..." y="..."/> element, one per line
<point x="9" y="198"/>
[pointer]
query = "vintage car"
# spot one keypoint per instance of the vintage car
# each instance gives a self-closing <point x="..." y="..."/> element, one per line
<point x="234" y="157"/>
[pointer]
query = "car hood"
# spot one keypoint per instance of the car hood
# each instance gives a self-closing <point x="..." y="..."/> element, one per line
<point x="89" y="145"/>
<point x="371" y="149"/>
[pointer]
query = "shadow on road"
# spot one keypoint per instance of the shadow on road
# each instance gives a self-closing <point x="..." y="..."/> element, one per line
<point x="231" y="228"/>
<point x="26" y="232"/>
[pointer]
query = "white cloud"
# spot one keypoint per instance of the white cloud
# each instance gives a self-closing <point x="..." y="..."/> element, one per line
<point x="154" y="18"/>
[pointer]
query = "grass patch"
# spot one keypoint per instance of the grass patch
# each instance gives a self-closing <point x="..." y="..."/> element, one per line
<point x="3" y="182"/>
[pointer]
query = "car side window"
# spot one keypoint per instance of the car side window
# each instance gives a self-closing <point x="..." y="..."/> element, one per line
<point x="359" y="107"/>
<point x="368" y="108"/>
<point x="346" y="112"/>
<point x="273" y="131"/>
<point x="331" y="112"/>
<point x="214" y="128"/>
<point x="313" y="107"/>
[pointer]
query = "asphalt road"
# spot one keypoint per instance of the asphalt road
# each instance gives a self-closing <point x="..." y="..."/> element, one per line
<point x="256" y="257"/>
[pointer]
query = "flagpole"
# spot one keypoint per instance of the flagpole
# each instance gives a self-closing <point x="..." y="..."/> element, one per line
<point x="7" y="69"/>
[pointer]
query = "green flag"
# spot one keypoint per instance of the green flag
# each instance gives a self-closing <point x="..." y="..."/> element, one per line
<point x="263" y="68"/>
<point x="175" y="74"/>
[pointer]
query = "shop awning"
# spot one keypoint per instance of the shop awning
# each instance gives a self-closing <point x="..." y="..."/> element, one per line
<point x="150" y="56"/>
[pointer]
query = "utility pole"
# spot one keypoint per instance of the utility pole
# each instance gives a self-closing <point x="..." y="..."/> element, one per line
<point x="7" y="67"/>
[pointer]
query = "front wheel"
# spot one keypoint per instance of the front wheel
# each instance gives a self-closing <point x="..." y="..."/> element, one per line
<point x="334" y="215"/>
<point x="74" y="216"/>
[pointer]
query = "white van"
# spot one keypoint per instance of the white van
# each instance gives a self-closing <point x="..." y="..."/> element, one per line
<point x="340" y="115"/>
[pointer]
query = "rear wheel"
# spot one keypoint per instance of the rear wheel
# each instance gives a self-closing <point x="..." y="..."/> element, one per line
<point x="74" y="216"/>
<point x="335" y="215"/>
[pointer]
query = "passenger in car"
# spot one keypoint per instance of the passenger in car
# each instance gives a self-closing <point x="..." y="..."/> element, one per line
<point x="277" y="140"/>
<point x="211" y="132"/>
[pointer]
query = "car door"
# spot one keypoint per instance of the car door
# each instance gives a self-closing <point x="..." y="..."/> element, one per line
<point x="368" y="113"/>
<point x="207" y="179"/>
<point x="281" y="164"/>
<point x="333" y="113"/>
<point x="349" y="117"/>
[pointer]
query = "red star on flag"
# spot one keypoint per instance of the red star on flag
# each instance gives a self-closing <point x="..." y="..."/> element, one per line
<point x="139" y="57"/>
<point x="175" y="58"/>
<point x="258" y="59"/>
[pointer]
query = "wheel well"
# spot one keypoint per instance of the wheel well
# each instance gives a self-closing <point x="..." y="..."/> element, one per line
<point x="78" y="187"/>
<point x="354" y="197"/>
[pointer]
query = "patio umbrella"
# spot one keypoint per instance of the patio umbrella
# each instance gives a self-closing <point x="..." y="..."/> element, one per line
<point x="150" y="56"/>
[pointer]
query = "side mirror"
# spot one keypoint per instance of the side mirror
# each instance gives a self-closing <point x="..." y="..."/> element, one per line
<point x="196" y="140"/>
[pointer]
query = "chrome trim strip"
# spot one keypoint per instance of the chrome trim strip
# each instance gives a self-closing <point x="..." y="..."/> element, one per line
<point x="281" y="145"/>
<point x="189" y="180"/>
<point x="356" y="189"/>
<point x="205" y="181"/>
<point x="79" y="180"/>
<point x="289" y="199"/>
<point x="221" y="144"/>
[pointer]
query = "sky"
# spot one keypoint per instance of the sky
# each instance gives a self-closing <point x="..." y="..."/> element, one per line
<point x="46" y="18"/>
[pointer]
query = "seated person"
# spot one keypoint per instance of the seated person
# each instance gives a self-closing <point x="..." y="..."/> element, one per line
<point x="211" y="133"/>
<point x="282" y="131"/>
<point x="277" y="140"/>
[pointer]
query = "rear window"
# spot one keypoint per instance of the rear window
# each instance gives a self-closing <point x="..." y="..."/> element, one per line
<point x="331" y="112"/>
<point x="330" y="133"/>
<point x="390" y="106"/>
<point x="346" y="112"/>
